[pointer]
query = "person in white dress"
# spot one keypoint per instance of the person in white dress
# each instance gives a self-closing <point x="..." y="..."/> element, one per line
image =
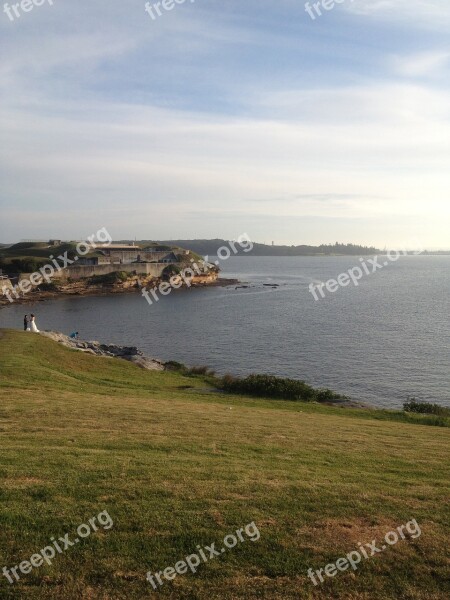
<point x="32" y="324"/>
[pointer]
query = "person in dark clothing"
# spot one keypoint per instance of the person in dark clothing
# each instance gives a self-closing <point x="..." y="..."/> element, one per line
<point x="25" y="322"/>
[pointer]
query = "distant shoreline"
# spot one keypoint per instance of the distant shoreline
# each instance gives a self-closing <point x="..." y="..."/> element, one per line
<point x="37" y="296"/>
<point x="210" y="247"/>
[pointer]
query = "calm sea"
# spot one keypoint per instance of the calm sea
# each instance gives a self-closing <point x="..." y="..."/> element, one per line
<point x="380" y="343"/>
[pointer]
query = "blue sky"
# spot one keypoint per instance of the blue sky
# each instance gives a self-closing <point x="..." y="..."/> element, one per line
<point x="219" y="118"/>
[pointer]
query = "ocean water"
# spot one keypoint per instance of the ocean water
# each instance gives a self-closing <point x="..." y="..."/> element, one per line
<point x="381" y="342"/>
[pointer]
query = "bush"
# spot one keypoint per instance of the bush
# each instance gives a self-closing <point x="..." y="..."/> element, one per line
<point x="326" y="395"/>
<point x="19" y="265"/>
<point x="48" y="287"/>
<point x="425" y="408"/>
<point x="170" y="271"/>
<point x="269" y="386"/>
<point x="202" y="371"/>
<point x="173" y="365"/>
<point x="109" y="278"/>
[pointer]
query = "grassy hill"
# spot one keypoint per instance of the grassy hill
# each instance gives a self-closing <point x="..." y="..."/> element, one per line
<point x="177" y="465"/>
<point x="30" y="256"/>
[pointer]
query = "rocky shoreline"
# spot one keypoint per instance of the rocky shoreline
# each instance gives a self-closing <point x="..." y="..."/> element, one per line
<point x="129" y="353"/>
<point x="77" y="292"/>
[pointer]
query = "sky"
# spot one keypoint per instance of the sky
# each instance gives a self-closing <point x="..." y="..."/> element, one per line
<point x="223" y="117"/>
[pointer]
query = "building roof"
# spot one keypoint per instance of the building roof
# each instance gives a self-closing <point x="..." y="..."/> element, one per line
<point x="117" y="247"/>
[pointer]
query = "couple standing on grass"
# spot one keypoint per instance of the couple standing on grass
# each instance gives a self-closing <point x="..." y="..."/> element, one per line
<point x="29" y="323"/>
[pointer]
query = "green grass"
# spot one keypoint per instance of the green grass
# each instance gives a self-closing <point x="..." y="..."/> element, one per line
<point x="178" y="464"/>
<point x="26" y="251"/>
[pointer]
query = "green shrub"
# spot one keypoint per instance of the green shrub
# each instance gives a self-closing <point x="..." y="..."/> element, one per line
<point x="19" y="265"/>
<point x="170" y="271"/>
<point x="326" y="395"/>
<point x="173" y="365"/>
<point x="109" y="278"/>
<point x="425" y="408"/>
<point x="48" y="287"/>
<point x="202" y="371"/>
<point x="269" y="386"/>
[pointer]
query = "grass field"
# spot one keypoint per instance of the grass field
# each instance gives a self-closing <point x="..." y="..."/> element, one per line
<point x="177" y="465"/>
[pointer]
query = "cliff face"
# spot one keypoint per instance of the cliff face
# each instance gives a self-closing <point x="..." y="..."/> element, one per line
<point x="133" y="282"/>
<point x="206" y="279"/>
<point x="5" y="284"/>
<point x="102" y="285"/>
<point x="88" y="286"/>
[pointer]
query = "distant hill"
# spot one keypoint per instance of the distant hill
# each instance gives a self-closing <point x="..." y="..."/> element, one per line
<point x="210" y="247"/>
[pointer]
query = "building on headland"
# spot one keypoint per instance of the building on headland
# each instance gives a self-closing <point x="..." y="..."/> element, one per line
<point x="94" y="261"/>
<point x="128" y="258"/>
<point x="124" y="254"/>
<point x="120" y="266"/>
<point x="148" y="260"/>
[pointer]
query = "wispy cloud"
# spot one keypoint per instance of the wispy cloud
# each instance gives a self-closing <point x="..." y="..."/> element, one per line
<point x="424" y="13"/>
<point x="422" y="64"/>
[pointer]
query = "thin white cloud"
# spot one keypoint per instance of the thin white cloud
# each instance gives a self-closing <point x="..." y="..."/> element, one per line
<point x="141" y="153"/>
<point x="423" y="64"/>
<point x="423" y="13"/>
